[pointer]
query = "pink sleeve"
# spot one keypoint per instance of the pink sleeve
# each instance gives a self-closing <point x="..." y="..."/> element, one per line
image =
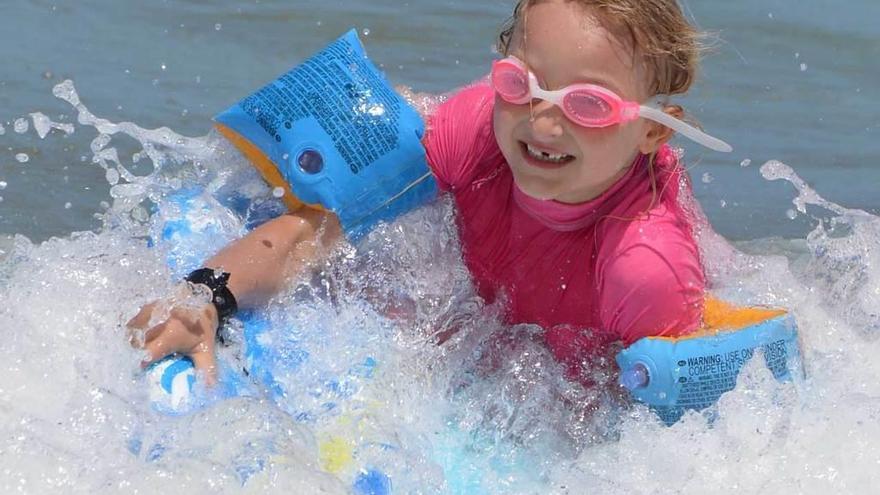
<point x="652" y="284"/>
<point x="460" y="135"/>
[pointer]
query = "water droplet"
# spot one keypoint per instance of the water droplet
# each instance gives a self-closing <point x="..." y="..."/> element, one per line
<point x="745" y="163"/>
<point x="319" y="23"/>
<point x="22" y="157"/>
<point x="278" y="192"/>
<point x="791" y="214"/>
<point x="797" y="55"/>
<point x="127" y="191"/>
<point x="803" y="67"/>
<point x="285" y="156"/>
<point x="376" y="110"/>
<point x="21" y="125"/>
<point x="723" y="203"/>
<point x="140" y="214"/>
<point x="112" y="176"/>
<point x="218" y="27"/>
<point x="366" y="31"/>
<point x="2" y="130"/>
<point x="67" y="205"/>
<point x="770" y="15"/>
<point x="42" y="124"/>
<point x="707" y="178"/>
<point x="164" y="66"/>
<point x="3" y="185"/>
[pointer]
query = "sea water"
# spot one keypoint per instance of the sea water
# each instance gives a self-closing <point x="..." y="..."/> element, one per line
<point x="468" y="403"/>
<point x="486" y="409"/>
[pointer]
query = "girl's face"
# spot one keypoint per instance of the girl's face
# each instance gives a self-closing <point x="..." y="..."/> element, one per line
<point x="562" y="44"/>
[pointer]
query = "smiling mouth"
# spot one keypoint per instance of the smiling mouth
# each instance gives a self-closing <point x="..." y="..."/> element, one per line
<point x="542" y="158"/>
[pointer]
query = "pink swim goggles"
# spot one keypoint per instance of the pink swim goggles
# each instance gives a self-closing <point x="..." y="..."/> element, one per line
<point x="587" y="105"/>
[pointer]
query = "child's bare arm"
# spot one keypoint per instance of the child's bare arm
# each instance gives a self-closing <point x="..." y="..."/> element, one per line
<point x="259" y="265"/>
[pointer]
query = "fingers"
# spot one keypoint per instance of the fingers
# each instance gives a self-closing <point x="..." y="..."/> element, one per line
<point x="141" y="319"/>
<point x="135" y="326"/>
<point x="156" y="349"/>
<point x="158" y="344"/>
<point x="187" y="332"/>
<point x="206" y="363"/>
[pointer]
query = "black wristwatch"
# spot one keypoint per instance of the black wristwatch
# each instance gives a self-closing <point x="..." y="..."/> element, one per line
<point x="221" y="296"/>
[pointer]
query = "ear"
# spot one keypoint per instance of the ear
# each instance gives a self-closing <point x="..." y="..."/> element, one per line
<point x="658" y="134"/>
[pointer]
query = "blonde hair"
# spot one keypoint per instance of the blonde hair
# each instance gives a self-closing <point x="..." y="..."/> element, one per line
<point x="657" y="30"/>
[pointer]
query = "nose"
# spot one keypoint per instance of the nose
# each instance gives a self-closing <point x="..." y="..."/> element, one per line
<point x="546" y="120"/>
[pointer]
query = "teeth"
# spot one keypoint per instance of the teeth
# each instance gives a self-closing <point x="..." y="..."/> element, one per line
<point x="549" y="157"/>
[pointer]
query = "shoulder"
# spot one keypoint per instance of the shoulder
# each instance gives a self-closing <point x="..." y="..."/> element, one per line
<point x="460" y="134"/>
<point x="650" y="278"/>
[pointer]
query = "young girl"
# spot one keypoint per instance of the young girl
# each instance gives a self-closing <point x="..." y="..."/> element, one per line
<point x="575" y="222"/>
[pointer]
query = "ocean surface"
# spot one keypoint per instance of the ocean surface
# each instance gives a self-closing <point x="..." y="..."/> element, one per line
<point x="105" y="106"/>
<point x="785" y="81"/>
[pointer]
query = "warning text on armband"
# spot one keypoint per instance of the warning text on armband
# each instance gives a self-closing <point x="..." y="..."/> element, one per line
<point x="338" y="88"/>
<point x="708" y="376"/>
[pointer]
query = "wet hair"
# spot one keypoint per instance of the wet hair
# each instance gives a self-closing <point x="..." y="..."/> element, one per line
<point x="657" y="30"/>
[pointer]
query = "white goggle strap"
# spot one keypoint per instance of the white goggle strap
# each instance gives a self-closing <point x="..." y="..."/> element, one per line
<point x="683" y="128"/>
<point x="536" y="91"/>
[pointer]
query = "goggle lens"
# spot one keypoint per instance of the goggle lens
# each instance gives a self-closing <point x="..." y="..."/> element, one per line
<point x="587" y="108"/>
<point x="511" y="82"/>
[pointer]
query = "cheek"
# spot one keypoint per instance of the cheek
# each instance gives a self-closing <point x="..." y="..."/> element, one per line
<point x="505" y="119"/>
<point x="613" y="140"/>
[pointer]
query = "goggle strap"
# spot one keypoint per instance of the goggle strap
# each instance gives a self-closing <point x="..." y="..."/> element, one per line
<point x="684" y="129"/>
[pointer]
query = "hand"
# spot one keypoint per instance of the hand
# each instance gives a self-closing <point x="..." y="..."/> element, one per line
<point x="182" y="324"/>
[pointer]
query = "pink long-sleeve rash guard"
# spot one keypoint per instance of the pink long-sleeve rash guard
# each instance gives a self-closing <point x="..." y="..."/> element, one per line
<point x="616" y="268"/>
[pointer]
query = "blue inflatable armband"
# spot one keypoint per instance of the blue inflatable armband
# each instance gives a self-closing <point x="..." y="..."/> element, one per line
<point x="333" y="132"/>
<point x="672" y="375"/>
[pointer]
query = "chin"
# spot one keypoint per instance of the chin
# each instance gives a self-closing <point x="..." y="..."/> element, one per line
<point x="534" y="189"/>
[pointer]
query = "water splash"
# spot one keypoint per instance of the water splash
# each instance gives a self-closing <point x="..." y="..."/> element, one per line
<point x="72" y="397"/>
<point x="845" y="255"/>
<point x="43" y="124"/>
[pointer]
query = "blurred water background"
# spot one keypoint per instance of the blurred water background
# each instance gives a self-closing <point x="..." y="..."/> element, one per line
<point x="793" y="81"/>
